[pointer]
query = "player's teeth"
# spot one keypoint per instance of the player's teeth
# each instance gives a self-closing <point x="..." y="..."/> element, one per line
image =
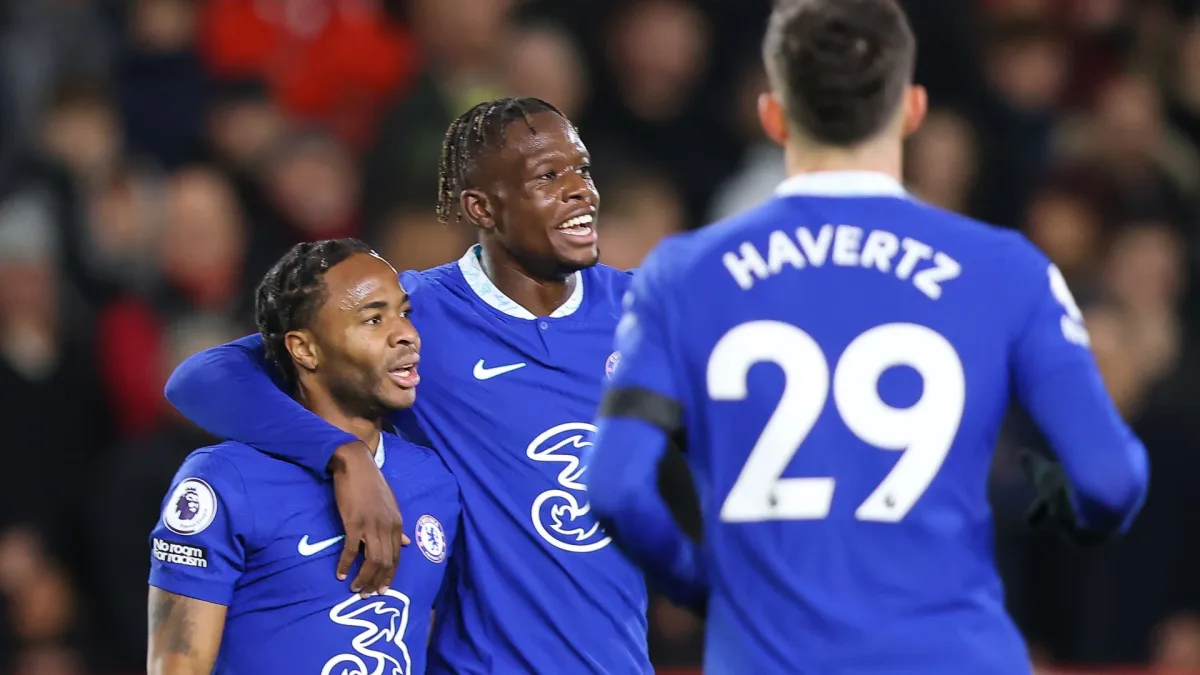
<point x="576" y="222"/>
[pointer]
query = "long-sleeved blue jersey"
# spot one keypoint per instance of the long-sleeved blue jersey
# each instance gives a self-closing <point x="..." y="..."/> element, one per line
<point x="507" y="400"/>
<point x="841" y="360"/>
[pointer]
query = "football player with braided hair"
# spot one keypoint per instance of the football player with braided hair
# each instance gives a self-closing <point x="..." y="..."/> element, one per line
<point x="242" y="558"/>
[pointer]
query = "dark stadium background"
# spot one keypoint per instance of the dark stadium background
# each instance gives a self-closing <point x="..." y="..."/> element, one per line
<point x="156" y="155"/>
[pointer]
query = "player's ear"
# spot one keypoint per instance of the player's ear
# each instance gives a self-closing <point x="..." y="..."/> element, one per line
<point x="478" y="209"/>
<point x="773" y="117"/>
<point x="916" y="104"/>
<point x="302" y="345"/>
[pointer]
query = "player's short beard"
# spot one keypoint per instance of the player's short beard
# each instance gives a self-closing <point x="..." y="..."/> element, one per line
<point x="595" y="261"/>
<point x="357" y="394"/>
<point x="551" y="269"/>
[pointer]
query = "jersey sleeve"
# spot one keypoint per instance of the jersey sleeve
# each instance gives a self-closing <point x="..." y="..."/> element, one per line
<point x="641" y="414"/>
<point x="1058" y="383"/>
<point x="642" y="339"/>
<point x="229" y="391"/>
<point x="198" y="545"/>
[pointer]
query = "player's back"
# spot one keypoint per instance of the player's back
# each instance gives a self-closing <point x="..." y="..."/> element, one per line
<point x="856" y="357"/>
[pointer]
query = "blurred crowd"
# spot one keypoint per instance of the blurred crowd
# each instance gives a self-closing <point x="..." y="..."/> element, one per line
<point x="157" y="155"/>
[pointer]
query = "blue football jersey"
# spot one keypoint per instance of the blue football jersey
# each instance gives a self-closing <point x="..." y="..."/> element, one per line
<point x="509" y="399"/>
<point x="262" y="537"/>
<point x="844" y="356"/>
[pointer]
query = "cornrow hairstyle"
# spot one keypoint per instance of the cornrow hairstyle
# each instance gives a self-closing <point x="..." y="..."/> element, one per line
<point x="478" y="129"/>
<point x="291" y="293"/>
<point x="841" y="65"/>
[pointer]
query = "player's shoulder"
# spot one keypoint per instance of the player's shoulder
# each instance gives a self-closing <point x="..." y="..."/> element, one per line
<point x="418" y="283"/>
<point x="208" y="480"/>
<point x="1007" y="268"/>
<point x="608" y="276"/>
<point x="905" y="214"/>
<point x="1003" y="241"/>
<point x="437" y="280"/>
<point x="236" y="474"/>
<point x="231" y="460"/>
<point x="221" y="463"/>
<point x="1002" y="252"/>
<point x="678" y="255"/>
<point x="432" y="275"/>
<point x="605" y="284"/>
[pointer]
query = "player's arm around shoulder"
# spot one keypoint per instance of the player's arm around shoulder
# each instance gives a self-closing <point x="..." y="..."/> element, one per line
<point x="197" y="554"/>
<point x="1058" y="382"/>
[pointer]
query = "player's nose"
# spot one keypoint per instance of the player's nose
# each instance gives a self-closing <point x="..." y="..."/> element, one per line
<point x="580" y="189"/>
<point x="405" y="334"/>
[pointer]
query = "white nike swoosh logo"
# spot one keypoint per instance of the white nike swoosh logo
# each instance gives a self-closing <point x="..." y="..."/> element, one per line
<point x="307" y="549"/>
<point x="482" y="373"/>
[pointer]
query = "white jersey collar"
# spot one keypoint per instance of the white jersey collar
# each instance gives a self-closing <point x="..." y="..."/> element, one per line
<point x="477" y="279"/>
<point x="841" y="184"/>
<point x="380" y="453"/>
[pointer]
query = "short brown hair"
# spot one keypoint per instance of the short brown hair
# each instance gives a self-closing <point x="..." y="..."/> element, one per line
<point x="841" y="66"/>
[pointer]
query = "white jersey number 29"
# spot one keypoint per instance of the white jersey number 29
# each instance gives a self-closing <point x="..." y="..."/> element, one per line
<point x="924" y="432"/>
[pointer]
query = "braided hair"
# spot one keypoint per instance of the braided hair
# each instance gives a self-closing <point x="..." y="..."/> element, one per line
<point x="291" y="293"/>
<point x="480" y="128"/>
<point x="841" y="66"/>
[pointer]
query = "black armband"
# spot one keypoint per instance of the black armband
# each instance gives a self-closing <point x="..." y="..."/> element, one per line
<point x="675" y="484"/>
<point x="645" y="405"/>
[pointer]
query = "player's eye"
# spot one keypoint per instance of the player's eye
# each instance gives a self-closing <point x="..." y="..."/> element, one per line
<point x="586" y="169"/>
<point x="374" y="320"/>
<point x="549" y="175"/>
<point x="406" y="312"/>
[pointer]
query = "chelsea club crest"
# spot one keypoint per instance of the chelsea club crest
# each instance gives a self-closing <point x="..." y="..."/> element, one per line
<point x="431" y="538"/>
<point x="610" y="366"/>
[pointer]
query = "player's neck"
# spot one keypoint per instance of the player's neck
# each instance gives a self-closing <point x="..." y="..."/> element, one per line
<point x="367" y="430"/>
<point x="539" y="296"/>
<point x="881" y="156"/>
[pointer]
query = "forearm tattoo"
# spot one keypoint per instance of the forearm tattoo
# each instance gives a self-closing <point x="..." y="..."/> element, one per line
<point x="171" y="622"/>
